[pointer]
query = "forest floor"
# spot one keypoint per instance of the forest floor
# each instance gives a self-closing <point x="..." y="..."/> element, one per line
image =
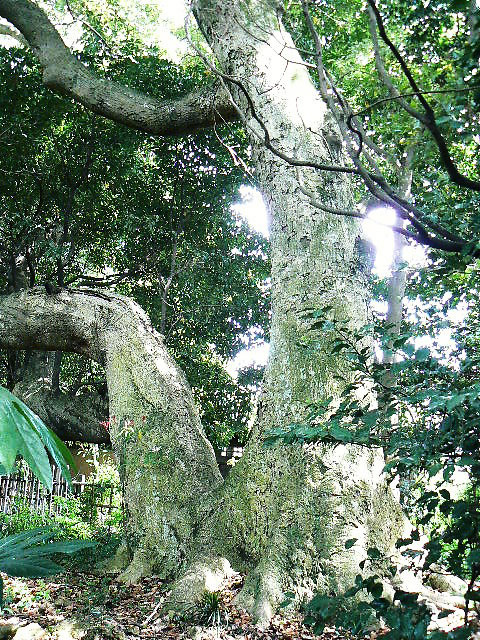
<point x="110" y="610"/>
<point x="87" y="606"/>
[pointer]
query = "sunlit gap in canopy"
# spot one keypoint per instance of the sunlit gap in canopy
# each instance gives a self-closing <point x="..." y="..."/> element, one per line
<point x="251" y="209"/>
<point x="378" y="230"/>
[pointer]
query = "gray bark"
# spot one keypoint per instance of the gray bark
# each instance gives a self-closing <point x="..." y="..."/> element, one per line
<point x="290" y="510"/>
<point x="167" y="465"/>
<point x="398" y="281"/>
<point x="64" y="73"/>
<point x="74" y="418"/>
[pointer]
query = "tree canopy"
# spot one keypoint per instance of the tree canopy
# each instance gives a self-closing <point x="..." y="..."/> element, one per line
<point x="88" y="202"/>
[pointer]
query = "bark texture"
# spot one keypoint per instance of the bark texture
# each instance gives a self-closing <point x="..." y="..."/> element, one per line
<point x="167" y="465"/>
<point x="287" y="512"/>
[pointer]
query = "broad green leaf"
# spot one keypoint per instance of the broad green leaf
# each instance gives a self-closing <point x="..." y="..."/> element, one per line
<point x="340" y="433"/>
<point x="33" y="451"/>
<point x="67" y="546"/>
<point x="30" y="567"/>
<point x="23" y="433"/>
<point x="9" y="441"/>
<point x="52" y="442"/>
<point x="26" y="554"/>
<point x="454" y="401"/>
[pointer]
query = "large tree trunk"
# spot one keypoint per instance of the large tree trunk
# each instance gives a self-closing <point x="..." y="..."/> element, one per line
<point x="167" y="465"/>
<point x="286" y="513"/>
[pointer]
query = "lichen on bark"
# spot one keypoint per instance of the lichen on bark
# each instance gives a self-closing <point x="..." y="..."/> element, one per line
<point x="285" y="513"/>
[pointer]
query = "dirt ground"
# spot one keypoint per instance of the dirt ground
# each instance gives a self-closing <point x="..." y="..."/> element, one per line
<point x="101" y="608"/>
<point x="110" y="610"/>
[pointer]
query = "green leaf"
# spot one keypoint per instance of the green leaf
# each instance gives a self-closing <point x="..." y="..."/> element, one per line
<point x="444" y="614"/>
<point x="454" y="401"/>
<point x="340" y="433"/>
<point x="66" y="546"/>
<point x="32" y="450"/>
<point x="422" y="355"/>
<point x="459" y="5"/>
<point x="350" y="543"/>
<point x="23" y="433"/>
<point x="26" y="554"/>
<point x="376" y="589"/>
<point x="10" y="442"/>
<point x="30" y="567"/>
<point x="473" y="557"/>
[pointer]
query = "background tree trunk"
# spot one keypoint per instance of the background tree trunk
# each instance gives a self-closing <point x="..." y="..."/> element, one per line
<point x="74" y="418"/>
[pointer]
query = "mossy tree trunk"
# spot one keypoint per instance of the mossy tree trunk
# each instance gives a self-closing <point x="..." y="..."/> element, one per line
<point x="167" y="466"/>
<point x="285" y="513"/>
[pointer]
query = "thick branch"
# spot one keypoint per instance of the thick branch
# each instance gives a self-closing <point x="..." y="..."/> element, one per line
<point x="5" y="30"/>
<point x="73" y="418"/>
<point x="166" y="464"/>
<point x="70" y="322"/>
<point x="64" y="73"/>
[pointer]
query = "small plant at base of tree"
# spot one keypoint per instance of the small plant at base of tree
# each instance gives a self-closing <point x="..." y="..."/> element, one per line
<point x="28" y="554"/>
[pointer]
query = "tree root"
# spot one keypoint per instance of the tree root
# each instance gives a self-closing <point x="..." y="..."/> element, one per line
<point x="116" y="563"/>
<point x="140" y="567"/>
<point x="441" y="599"/>
<point x="203" y="575"/>
<point x="262" y="593"/>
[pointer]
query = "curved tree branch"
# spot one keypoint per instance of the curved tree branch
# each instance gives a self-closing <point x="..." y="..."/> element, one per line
<point x="427" y="119"/>
<point x="6" y="30"/>
<point x="164" y="456"/>
<point x="64" y="73"/>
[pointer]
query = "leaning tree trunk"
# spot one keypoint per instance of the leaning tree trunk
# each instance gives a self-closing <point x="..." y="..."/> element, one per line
<point x="167" y="465"/>
<point x="286" y="513"/>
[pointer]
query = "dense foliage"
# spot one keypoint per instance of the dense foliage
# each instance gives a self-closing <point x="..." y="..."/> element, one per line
<point x="423" y="410"/>
<point x="89" y="203"/>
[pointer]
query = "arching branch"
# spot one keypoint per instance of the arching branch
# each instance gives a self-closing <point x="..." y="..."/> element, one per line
<point x="64" y="73"/>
